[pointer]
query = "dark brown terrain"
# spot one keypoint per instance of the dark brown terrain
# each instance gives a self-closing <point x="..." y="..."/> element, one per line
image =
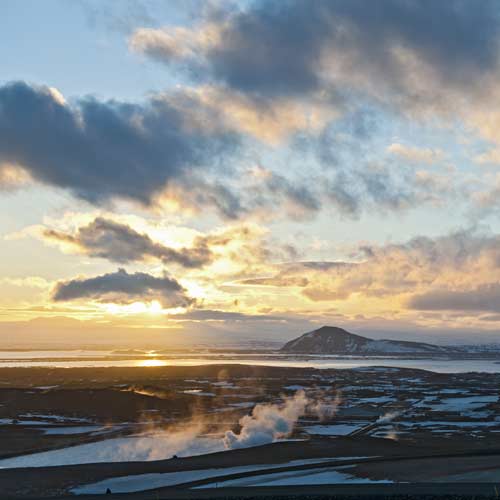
<point x="402" y="426"/>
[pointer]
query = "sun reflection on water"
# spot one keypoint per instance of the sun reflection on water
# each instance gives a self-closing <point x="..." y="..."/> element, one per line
<point x="151" y="362"/>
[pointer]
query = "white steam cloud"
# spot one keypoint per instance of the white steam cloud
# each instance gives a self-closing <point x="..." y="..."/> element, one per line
<point x="183" y="442"/>
<point x="270" y="422"/>
<point x="388" y="417"/>
<point x="267" y="423"/>
<point x="326" y="410"/>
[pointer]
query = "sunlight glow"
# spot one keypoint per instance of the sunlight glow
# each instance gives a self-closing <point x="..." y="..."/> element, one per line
<point x="151" y="363"/>
<point x="154" y="307"/>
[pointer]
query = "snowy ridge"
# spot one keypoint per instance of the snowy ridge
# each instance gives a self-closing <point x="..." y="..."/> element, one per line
<point x="334" y="340"/>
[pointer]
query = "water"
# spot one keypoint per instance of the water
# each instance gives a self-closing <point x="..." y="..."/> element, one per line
<point x="31" y="354"/>
<point x="102" y="359"/>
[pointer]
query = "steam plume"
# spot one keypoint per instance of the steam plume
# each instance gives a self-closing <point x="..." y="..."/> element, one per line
<point x="388" y="417"/>
<point x="267" y="423"/>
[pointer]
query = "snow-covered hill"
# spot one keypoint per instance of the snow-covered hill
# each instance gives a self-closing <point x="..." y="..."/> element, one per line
<point x="334" y="340"/>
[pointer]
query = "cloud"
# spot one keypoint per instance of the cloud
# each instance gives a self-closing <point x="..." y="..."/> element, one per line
<point x="266" y="190"/>
<point x="485" y="297"/>
<point x="176" y="43"/>
<point x="258" y="193"/>
<point x="123" y="288"/>
<point x="296" y="47"/>
<point x="352" y="179"/>
<point x="420" y="58"/>
<point x="460" y="260"/>
<point x="118" y="242"/>
<point x="163" y="151"/>
<point x="172" y="151"/>
<point x="491" y="156"/>
<point x="486" y="197"/>
<point x="122" y="17"/>
<point x="378" y="187"/>
<point x="415" y="155"/>
<point x="195" y="195"/>
<point x="12" y="177"/>
<point x="276" y="48"/>
<point x="271" y="121"/>
<point x="226" y="316"/>
<point x="294" y="274"/>
<point x="103" y="150"/>
<point x="459" y="270"/>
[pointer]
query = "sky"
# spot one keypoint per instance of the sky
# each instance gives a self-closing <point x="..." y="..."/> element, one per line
<point x="219" y="172"/>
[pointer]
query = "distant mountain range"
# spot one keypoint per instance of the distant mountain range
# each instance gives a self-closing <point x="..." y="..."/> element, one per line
<point x="334" y="340"/>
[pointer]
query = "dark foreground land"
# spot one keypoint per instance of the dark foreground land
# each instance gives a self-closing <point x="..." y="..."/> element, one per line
<point x="394" y="433"/>
<point x="410" y="491"/>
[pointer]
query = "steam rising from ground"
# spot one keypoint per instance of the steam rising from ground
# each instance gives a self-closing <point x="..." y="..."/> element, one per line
<point x="388" y="417"/>
<point x="161" y="445"/>
<point x="158" y="445"/>
<point x="326" y="410"/>
<point x="267" y="423"/>
<point x="270" y="422"/>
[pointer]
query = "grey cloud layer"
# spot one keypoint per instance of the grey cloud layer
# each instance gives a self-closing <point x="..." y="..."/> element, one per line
<point x="353" y="181"/>
<point x="106" y="150"/>
<point x="121" y="243"/>
<point x="410" y="55"/>
<point x="276" y="48"/>
<point x="272" y="53"/>
<point x="122" y="287"/>
<point x="103" y="150"/>
<point x="483" y="298"/>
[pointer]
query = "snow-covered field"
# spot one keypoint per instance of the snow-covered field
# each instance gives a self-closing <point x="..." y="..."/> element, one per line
<point x="142" y="482"/>
<point x="334" y="429"/>
<point x="71" y="430"/>
<point x="465" y="404"/>
<point x="305" y="477"/>
<point x="158" y="446"/>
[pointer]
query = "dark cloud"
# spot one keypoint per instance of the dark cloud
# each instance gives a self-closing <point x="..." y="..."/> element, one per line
<point x="485" y="297"/>
<point x="379" y="187"/>
<point x="351" y="181"/>
<point x="122" y="287"/>
<point x="198" y="194"/>
<point x="278" y="48"/>
<point x="352" y="58"/>
<point x="272" y="49"/>
<point x="104" y="150"/>
<point x="344" y="195"/>
<point x="120" y="243"/>
<point x="300" y="196"/>
<point x="271" y="193"/>
<point x="296" y="274"/>
<point x="227" y="316"/>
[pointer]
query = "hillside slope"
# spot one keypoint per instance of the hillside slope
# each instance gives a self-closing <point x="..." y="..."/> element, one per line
<point x="334" y="340"/>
